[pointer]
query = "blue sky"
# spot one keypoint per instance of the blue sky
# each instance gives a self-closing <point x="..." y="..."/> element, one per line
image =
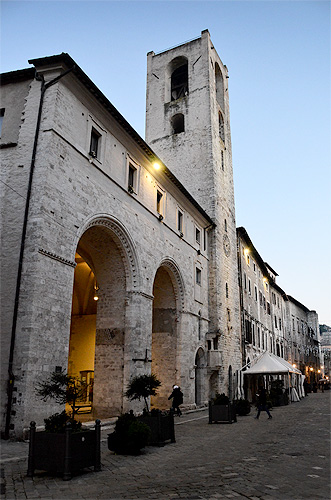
<point x="278" y="56"/>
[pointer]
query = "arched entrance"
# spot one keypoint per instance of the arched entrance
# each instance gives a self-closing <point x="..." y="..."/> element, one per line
<point x="96" y="349"/>
<point x="165" y="334"/>
<point x="199" y="365"/>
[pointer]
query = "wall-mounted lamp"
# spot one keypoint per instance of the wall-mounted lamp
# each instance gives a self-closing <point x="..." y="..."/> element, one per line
<point x="156" y="165"/>
<point x="96" y="290"/>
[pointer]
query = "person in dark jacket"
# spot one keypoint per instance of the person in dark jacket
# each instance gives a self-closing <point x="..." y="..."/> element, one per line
<point x="177" y="399"/>
<point x="262" y="402"/>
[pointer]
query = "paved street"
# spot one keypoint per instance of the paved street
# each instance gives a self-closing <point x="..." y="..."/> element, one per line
<point x="285" y="458"/>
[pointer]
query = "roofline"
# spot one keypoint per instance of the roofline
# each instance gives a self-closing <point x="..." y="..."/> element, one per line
<point x="17" y="76"/>
<point x="297" y="303"/>
<point x="93" y="89"/>
<point x="272" y="270"/>
<point x="241" y="231"/>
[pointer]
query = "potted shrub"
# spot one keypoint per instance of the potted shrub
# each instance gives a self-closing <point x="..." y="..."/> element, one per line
<point x="162" y="426"/>
<point x="130" y="435"/>
<point x="221" y="410"/>
<point x="161" y="423"/>
<point x="243" y="406"/>
<point x="63" y="447"/>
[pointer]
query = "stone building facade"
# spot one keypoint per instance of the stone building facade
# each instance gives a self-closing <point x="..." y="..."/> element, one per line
<point x="271" y="320"/>
<point x="90" y="215"/>
<point x="119" y="256"/>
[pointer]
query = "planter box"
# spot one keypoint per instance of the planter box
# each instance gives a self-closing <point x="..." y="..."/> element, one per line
<point x="222" y="413"/>
<point x="64" y="453"/>
<point x="162" y="428"/>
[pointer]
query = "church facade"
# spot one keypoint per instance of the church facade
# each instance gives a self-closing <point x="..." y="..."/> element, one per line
<point x="119" y="255"/>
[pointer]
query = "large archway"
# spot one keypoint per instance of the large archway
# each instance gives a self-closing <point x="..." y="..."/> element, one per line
<point x="97" y="340"/>
<point x="164" y="335"/>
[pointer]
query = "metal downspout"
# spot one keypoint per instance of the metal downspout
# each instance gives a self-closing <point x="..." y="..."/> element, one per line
<point x="11" y="376"/>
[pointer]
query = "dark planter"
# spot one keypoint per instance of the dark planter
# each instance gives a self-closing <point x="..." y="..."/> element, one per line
<point x="162" y="428"/>
<point x="64" y="453"/>
<point x="242" y="407"/>
<point x="224" y="414"/>
<point x="116" y="444"/>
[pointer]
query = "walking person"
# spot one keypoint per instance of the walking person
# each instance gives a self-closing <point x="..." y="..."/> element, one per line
<point x="262" y="402"/>
<point x="177" y="399"/>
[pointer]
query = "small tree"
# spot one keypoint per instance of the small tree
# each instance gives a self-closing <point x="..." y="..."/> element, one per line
<point x="142" y="386"/>
<point x="63" y="389"/>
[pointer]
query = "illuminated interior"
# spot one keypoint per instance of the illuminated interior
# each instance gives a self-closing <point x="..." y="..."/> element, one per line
<point x="83" y="327"/>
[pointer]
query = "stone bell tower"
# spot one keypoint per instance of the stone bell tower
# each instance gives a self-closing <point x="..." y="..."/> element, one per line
<point x="188" y="126"/>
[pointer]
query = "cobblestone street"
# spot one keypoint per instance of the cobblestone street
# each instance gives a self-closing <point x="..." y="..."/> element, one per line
<point x="285" y="458"/>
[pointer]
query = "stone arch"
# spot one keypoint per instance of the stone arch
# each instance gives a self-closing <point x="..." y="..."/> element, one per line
<point x="107" y="269"/>
<point x="219" y="86"/>
<point x="177" y="279"/>
<point x="168" y="303"/>
<point x="127" y="247"/>
<point x="177" y="123"/>
<point x="177" y="78"/>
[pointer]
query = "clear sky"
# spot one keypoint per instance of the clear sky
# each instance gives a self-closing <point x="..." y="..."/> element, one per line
<point x="278" y="56"/>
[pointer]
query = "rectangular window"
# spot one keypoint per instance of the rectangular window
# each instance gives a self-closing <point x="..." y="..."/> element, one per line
<point x="197" y="235"/>
<point x="249" y="286"/>
<point x="215" y="343"/>
<point x="245" y="281"/>
<point x="268" y="307"/>
<point x="198" y="276"/>
<point x="280" y="323"/>
<point x="159" y="197"/>
<point x="132" y="178"/>
<point x="275" y="322"/>
<point x="222" y="159"/>
<point x="255" y="292"/>
<point x="2" y="114"/>
<point x="95" y="143"/>
<point x="204" y="239"/>
<point x="180" y="221"/>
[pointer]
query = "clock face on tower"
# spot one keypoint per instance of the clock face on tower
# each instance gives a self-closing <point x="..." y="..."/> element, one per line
<point x="226" y="245"/>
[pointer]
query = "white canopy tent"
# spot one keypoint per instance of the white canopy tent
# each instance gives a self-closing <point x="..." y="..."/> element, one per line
<point x="270" y="364"/>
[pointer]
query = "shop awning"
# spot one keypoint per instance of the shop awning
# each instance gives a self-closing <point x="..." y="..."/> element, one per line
<point x="269" y="363"/>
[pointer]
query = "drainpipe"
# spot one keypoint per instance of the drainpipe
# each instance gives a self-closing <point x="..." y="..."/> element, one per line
<point x="11" y="376"/>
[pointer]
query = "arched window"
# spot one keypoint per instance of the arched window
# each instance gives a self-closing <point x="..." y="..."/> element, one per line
<point x="219" y="86"/>
<point x="177" y="122"/>
<point x="179" y="82"/>
<point x="221" y="126"/>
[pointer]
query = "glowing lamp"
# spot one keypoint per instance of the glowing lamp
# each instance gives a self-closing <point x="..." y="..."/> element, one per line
<point x="156" y="165"/>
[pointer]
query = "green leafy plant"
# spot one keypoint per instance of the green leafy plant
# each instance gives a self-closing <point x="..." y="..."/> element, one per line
<point x="57" y="422"/>
<point x="63" y="389"/>
<point x="142" y="386"/>
<point x="221" y="399"/>
<point x="130" y="435"/>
